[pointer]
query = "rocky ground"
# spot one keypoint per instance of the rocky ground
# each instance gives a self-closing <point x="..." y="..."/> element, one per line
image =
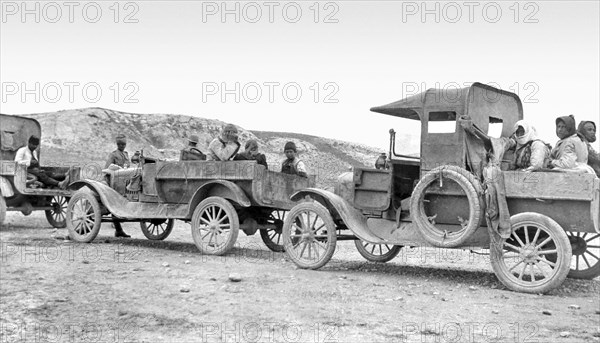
<point x="135" y="290"/>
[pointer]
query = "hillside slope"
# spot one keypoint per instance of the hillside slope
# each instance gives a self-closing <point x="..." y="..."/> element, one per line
<point x="81" y="136"/>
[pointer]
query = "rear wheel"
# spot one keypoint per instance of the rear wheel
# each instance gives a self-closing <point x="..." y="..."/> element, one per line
<point x="585" y="263"/>
<point x="57" y="216"/>
<point x="215" y="226"/>
<point x="377" y="252"/>
<point x="309" y="235"/>
<point x="157" y="229"/>
<point x="272" y="236"/>
<point x="535" y="258"/>
<point x="83" y="217"/>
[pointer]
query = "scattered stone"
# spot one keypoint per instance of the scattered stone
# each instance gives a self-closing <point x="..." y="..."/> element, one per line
<point x="546" y="312"/>
<point x="472" y="288"/>
<point x="398" y="298"/>
<point x="597" y="311"/>
<point x="235" y="277"/>
<point x="436" y="293"/>
<point x="495" y="311"/>
<point x="121" y="313"/>
<point x="343" y="277"/>
<point x="180" y="255"/>
<point x="564" y="334"/>
<point x="212" y="279"/>
<point x="574" y="307"/>
<point x="596" y="334"/>
<point x="85" y="262"/>
<point x="444" y="299"/>
<point x="107" y="241"/>
<point x="184" y="289"/>
<point x="165" y="264"/>
<point x="146" y="260"/>
<point x="186" y="262"/>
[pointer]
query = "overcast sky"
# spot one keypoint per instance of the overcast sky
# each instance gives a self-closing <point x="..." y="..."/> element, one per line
<point x="246" y="62"/>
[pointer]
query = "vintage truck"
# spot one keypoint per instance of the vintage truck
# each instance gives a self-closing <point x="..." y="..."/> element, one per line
<point x="218" y="198"/>
<point x="438" y="199"/>
<point x="16" y="191"/>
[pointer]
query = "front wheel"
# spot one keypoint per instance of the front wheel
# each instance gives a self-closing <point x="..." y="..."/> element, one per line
<point x="83" y="217"/>
<point x="57" y="216"/>
<point x="157" y="229"/>
<point x="215" y="226"/>
<point x="535" y="258"/>
<point x="272" y="236"/>
<point x="585" y="263"/>
<point x="309" y="235"/>
<point x="377" y="252"/>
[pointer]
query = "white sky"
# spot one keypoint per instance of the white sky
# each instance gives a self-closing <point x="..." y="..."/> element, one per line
<point x="178" y="51"/>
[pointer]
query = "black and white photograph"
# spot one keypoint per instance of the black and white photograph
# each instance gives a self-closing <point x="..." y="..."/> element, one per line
<point x="307" y="171"/>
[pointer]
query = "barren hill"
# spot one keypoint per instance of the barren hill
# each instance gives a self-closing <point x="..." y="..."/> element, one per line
<point x="87" y="135"/>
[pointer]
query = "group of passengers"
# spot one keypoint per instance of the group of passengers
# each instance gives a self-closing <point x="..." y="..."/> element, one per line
<point x="572" y="153"/>
<point x="226" y="148"/>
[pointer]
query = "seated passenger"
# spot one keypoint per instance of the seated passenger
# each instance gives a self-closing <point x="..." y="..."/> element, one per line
<point x="530" y="153"/>
<point x="570" y="153"/>
<point x="28" y="156"/>
<point x="119" y="157"/>
<point x="191" y="152"/>
<point x="225" y="147"/>
<point x="587" y="130"/>
<point x="292" y="164"/>
<point x="251" y="153"/>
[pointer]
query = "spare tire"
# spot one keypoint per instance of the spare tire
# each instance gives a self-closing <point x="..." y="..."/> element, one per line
<point x="437" y="236"/>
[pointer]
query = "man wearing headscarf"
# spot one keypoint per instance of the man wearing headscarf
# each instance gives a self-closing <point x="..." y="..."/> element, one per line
<point x="587" y="131"/>
<point x="224" y="147"/>
<point x="292" y="164"/>
<point x="191" y="152"/>
<point x="531" y="153"/>
<point x="251" y="153"/>
<point x="570" y="153"/>
<point x="119" y="157"/>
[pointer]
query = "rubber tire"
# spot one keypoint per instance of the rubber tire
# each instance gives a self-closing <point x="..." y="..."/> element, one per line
<point x="144" y="226"/>
<point x="323" y="213"/>
<point x="2" y="210"/>
<point x="97" y="216"/>
<point x="50" y="213"/>
<point x="233" y="220"/>
<point x="560" y="242"/>
<point x="471" y="187"/>
<point x="264" y="234"/>
<point x="388" y="256"/>
<point x="586" y="274"/>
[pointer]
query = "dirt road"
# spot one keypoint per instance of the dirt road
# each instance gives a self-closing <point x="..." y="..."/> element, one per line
<point x="135" y="290"/>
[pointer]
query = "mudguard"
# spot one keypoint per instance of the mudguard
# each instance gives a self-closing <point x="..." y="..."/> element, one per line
<point x="120" y="207"/>
<point x="340" y="208"/>
<point x="5" y="188"/>
<point x="221" y="188"/>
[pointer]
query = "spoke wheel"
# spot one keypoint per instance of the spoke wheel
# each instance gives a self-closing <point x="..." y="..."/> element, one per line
<point x="57" y="216"/>
<point x="215" y="226"/>
<point x="157" y="230"/>
<point x="585" y="263"/>
<point x="377" y="252"/>
<point x="83" y="217"/>
<point x="273" y="237"/>
<point x="309" y="235"/>
<point x="535" y="258"/>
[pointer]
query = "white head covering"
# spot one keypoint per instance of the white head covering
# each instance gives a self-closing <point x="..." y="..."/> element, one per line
<point x="529" y="135"/>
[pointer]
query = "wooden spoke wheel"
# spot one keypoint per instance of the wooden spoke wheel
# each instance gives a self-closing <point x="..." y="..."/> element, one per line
<point x="57" y="216"/>
<point x="83" y="217"/>
<point x="377" y="252"/>
<point x="309" y="235"/>
<point x="215" y="226"/>
<point x="585" y="263"/>
<point x="273" y="236"/>
<point x="536" y="257"/>
<point x="157" y="229"/>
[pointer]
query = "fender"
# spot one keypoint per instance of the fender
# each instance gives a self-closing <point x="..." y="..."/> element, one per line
<point x="221" y="188"/>
<point x="340" y="208"/>
<point x="5" y="188"/>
